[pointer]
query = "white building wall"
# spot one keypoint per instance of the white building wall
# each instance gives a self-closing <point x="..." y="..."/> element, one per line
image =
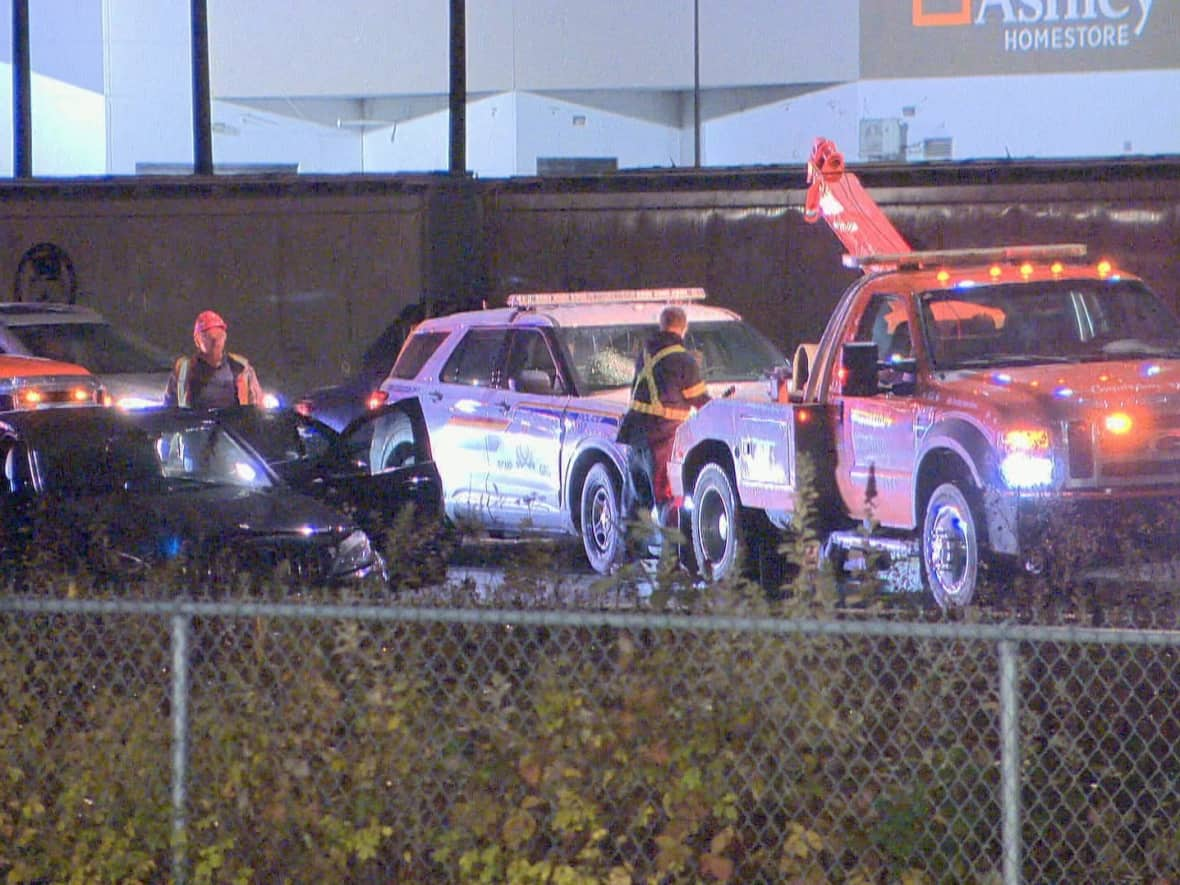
<point x="245" y="137"/>
<point x="69" y="125"/>
<point x="422" y="144"/>
<point x="148" y="83"/>
<point x="783" y="132"/>
<point x="550" y="127"/>
<point x="1048" y="116"/>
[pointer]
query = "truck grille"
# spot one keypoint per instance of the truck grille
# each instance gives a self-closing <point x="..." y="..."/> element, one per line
<point x="1141" y="460"/>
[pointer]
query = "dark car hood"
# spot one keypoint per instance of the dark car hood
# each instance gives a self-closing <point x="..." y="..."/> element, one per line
<point x="155" y="525"/>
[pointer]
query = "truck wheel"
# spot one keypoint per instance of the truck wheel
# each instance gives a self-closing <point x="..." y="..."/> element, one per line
<point x="716" y="522"/>
<point x="950" y="547"/>
<point x="603" y="532"/>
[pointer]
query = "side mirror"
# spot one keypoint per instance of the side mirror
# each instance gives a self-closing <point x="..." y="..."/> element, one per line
<point x="858" y="368"/>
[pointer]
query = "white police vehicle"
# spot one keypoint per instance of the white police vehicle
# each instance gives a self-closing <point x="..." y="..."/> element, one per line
<point x="522" y="403"/>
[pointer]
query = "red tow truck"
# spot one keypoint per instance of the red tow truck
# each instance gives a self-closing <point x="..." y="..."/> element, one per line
<point x="955" y="400"/>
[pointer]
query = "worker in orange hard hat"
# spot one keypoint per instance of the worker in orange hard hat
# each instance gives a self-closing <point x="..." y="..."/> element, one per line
<point x="212" y="378"/>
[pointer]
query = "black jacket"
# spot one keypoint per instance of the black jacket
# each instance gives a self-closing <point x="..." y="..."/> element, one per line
<point x="667" y="370"/>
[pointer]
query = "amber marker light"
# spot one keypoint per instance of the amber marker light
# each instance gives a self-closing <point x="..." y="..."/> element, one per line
<point x="31" y="397"/>
<point x="1026" y="440"/>
<point x="802" y="416"/>
<point x="1118" y="423"/>
<point x="376" y="399"/>
<point x="1026" y="269"/>
<point x="1056" y="267"/>
<point x="994" y="271"/>
<point x="1104" y="268"/>
<point x="81" y="395"/>
<point x="943" y="276"/>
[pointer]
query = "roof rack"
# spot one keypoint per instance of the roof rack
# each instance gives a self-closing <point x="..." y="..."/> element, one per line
<point x="951" y="257"/>
<point x="608" y="296"/>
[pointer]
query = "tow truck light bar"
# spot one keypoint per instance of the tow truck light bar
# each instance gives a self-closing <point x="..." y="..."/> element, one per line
<point x="610" y="296"/>
<point x="953" y="257"/>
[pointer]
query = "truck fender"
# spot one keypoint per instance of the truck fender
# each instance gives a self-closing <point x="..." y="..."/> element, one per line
<point x="960" y="438"/>
<point x="968" y="445"/>
<point x="707" y="451"/>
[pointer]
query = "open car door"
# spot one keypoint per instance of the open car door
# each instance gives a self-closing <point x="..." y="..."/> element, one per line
<point x="380" y="464"/>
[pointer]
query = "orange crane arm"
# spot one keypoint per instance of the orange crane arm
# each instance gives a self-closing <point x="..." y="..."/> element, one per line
<point x="837" y="196"/>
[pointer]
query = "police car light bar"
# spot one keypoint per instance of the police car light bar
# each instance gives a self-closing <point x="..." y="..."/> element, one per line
<point x="610" y="296"/>
<point x="952" y="257"/>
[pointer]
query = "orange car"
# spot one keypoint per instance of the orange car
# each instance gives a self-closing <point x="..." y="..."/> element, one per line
<point x="28" y="382"/>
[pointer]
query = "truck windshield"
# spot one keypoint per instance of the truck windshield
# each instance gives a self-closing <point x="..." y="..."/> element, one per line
<point x="603" y="357"/>
<point x="1064" y="320"/>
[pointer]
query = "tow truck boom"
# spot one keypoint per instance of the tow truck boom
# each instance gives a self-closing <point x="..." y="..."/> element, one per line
<point x="837" y="196"/>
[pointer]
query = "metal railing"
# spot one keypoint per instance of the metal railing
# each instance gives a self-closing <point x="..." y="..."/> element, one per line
<point x="385" y="743"/>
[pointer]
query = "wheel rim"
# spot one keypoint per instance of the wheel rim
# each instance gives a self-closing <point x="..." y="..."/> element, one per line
<point x="602" y="520"/>
<point x="950" y="547"/>
<point x="715" y="527"/>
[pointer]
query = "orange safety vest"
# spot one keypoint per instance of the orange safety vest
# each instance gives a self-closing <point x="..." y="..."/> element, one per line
<point x="241" y="381"/>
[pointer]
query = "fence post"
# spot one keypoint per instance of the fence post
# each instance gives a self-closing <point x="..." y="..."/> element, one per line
<point x="180" y="637"/>
<point x="1010" y="762"/>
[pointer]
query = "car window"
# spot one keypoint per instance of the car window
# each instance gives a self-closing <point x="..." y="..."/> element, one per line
<point x="476" y="358"/>
<point x="99" y="347"/>
<point x="416" y="352"/>
<point x="207" y="454"/>
<point x="530" y="367"/>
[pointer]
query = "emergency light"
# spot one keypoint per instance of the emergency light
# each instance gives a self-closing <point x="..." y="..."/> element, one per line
<point x="608" y="296"/>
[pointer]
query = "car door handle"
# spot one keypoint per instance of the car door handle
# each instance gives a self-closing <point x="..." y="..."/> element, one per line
<point x="435" y="395"/>
<point x="505" y="407"/>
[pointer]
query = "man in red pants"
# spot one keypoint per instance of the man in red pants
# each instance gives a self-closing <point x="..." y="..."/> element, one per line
<point x="667" y="387"/>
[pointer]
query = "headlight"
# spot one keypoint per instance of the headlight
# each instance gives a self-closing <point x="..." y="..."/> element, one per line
<point x="355" y="556"/>
<point x="132" y="403"/>
<point x="1026" y="461"/>
<point x="271" y="401"/>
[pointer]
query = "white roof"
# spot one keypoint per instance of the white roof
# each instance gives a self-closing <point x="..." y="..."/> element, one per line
<point x="609" y="314"/>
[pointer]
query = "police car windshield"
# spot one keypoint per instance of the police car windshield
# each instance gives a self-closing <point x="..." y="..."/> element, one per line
<point x="603" y="357"/>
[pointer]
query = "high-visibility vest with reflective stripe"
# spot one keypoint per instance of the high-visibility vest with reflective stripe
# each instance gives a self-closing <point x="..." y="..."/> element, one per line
<point x="646" y="380"/>
<point x="241" y="380"/>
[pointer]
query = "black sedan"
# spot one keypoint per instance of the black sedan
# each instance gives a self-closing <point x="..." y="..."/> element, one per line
<point x="122" y="491"/>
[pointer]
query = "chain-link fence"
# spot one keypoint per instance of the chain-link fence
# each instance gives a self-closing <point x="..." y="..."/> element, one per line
<point x="192" y="741"/>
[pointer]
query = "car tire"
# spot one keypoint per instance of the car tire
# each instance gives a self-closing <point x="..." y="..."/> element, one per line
<point x="950" y="546"/>
<point x="716" y="523"/>
<point x="603" y="531"/>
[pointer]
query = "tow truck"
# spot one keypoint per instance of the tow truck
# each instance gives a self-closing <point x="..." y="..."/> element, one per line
<point x="955" y="401"/>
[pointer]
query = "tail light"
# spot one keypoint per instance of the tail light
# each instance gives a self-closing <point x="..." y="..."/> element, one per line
<point x="303" y="407"/>
<point x="376" y="399"/>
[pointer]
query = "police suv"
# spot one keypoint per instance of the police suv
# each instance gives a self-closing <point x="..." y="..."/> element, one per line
<point x="522" y="403"/>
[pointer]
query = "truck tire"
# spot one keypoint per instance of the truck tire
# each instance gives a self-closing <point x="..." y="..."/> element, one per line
<point x="716" y="523"/>
<point x="603" y="531"/>
<point x="950" y="546"/>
